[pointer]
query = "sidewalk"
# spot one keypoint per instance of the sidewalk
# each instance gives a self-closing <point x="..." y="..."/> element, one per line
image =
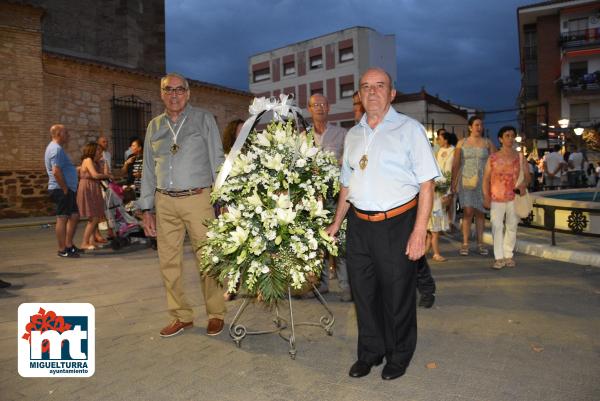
<point x="569" y="248"/>
<point x="528" y="333"/>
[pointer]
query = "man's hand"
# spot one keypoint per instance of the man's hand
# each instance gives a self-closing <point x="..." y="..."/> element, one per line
<point x="333" y="229"/>
<point x="415" y="248"/>
<point x="149" y="220"/>
<point x="65" y="190"/>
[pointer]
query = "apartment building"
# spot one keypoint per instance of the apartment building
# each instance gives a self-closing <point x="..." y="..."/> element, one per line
<point x="330" y="64"/>
<point x="559" y="47"/>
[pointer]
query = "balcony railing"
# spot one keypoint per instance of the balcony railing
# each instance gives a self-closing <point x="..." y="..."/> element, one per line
<point x="585" y="84"/>
<point x="584" y="37"/>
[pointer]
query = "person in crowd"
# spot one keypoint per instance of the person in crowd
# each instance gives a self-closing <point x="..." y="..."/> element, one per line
<point x="106" y="160"/>
<point x="500" y="184"/>
<point x="62" y="187"/>
<point x="553" y="168"/>
<point x="564" y="178"/>
<point x="387" y="165"/>
<point x="469" y="161"/>
<point x="128" y="151"/>
<point x="182" y="152"/>
<point x="329" y="137"/>
<point x="438" y="221"/>
<point x="575" y="169"/>
<point x="133" y="166"/>
<point x="357" y="107"/>
<point x="230" y="134"/>
<point x="89" y="193"/>
<point x="590" y="174"/>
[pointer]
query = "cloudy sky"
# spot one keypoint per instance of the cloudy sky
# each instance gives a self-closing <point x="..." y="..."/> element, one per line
<point x="463" y="50"/>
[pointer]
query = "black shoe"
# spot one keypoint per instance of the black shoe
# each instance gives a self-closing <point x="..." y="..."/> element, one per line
<point x="66" y="253"/>
<point x="392" y="371"/>
<point x="362" y="368"/>
<point x="4" y="284"/>
<point x="427" y="300"/>
<point x="74" y="249"/>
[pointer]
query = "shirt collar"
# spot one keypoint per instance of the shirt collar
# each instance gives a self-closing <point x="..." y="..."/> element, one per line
<point x="183" y="114"/>
<point x="392" y="116"/>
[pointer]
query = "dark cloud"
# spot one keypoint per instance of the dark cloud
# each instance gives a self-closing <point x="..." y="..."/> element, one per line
<point x="466" y="50"/>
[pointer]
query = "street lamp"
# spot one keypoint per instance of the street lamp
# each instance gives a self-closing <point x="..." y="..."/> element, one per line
<point x="578" y="130"/>
<point x="563" y="123"/>
<point x="518" y="139"/>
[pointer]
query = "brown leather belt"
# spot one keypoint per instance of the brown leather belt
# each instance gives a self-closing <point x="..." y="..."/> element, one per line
<point x="180" y="194"/>
<point x="386" y="215"/>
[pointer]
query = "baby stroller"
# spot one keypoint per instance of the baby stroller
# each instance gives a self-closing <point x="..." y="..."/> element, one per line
<point x="126" y="227"/>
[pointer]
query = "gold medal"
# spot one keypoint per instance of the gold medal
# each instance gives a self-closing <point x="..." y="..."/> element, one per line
<point x="174" y="148"/>
<point x="363" y="162"/>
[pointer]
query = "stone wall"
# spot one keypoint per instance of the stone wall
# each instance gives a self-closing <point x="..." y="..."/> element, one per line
<point x="39" y="89"/>
<point x="24" y="193"/>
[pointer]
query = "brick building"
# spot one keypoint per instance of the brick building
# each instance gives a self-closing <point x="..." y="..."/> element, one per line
<point x="559" y="47"/>
<point x="85" y="83"/>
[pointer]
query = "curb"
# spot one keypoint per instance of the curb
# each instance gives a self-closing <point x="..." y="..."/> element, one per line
<point x="551" y="252"/>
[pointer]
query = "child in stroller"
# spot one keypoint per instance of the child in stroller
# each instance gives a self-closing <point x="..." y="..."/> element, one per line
<point x="126" y="226"/>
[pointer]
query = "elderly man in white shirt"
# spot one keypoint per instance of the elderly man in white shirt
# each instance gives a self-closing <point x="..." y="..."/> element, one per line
<point x="387" y="180"/>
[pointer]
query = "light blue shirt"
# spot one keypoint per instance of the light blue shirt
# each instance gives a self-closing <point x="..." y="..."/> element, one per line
<point x="55" y="156"/>
<point x="399" y="159"/>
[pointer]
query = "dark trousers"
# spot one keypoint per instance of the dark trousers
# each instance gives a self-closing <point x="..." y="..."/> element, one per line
<point x="383" y="287"/>
<point x="425" y="281"/>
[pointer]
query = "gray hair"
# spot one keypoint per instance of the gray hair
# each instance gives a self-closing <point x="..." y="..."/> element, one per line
<point x="164" y="79"/>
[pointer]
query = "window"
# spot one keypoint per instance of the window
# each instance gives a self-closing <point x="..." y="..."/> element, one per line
<point x="130" y="117"/>
<point x="316" y="62"/>
<point x="580" y="113"/>
<point x="289" y="68"/>
<point x="346" y="54"/>
<point x="262" y="75"/>
<point x="578" y="24"/>
<point x="346" y="90"/>
<point x="578" y="69"/>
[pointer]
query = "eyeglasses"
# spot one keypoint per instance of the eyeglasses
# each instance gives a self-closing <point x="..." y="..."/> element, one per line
<point x="180" y="90"/>
<point x="321" y="105"/>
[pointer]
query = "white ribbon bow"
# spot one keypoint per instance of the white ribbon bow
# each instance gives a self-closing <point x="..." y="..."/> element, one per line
<point x="281" y="109"/>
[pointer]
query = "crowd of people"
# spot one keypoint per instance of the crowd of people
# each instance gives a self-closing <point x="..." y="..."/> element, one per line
<point x="398" y="196"/>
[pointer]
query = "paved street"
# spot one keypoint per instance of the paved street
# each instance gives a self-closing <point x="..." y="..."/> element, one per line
<point x="529" y="333"/>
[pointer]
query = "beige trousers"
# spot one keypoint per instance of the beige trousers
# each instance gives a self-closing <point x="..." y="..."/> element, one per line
<point x="175" y="216"/>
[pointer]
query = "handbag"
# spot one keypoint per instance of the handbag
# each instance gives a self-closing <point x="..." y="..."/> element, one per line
<point x="523" y="202"/>
<point x="470" y="182"/>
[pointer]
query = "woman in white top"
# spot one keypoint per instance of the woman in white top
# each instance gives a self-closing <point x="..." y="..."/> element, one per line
<point x="442" y="195"/>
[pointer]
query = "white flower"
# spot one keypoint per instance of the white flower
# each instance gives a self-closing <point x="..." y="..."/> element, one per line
<point x="301" y="163"/>
<point x="306" y="150"/>
<point x="283" y="201"/>
<point x="239" y="236"/>
<point x="262" y="140"/>
<point x="285" y="216"/>
<point x="254" y="200"/>
<point x="273" y="162"/>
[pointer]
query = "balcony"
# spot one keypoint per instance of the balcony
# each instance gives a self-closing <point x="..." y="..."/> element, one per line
<point x="582" y="38"/>
<point x="588" y="84"/>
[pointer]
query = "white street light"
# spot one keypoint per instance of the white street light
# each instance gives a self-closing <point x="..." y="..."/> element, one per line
<point x="518" y="139"/>
<point x="564" y="123"/>
<point x="578" y="131"/>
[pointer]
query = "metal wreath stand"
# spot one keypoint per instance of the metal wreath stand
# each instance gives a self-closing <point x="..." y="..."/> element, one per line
<point x="238" y="331"/>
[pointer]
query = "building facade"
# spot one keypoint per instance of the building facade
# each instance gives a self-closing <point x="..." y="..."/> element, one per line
<point x="433" y="112"/>
<point x="559" y="47"/>
<point x="40" y="87"/>
<point x="330" y="64"/>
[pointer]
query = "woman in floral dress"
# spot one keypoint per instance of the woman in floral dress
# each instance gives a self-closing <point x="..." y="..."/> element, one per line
<point x="467" y="172"/>
<point x="499" y="187"/>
